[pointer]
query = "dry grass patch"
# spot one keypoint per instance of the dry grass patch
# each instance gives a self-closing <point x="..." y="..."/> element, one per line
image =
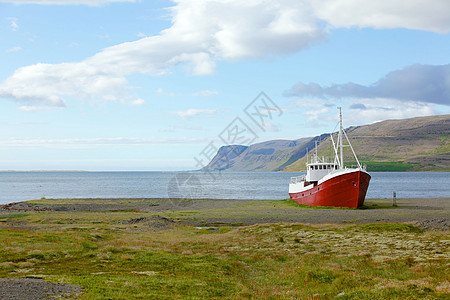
<point x="111" y="258"/>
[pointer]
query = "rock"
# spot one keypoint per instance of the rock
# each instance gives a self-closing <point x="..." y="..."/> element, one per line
<point x="34" y="289"/>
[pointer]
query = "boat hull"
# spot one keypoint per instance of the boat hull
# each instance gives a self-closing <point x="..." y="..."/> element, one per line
<point x="345" y="190"/>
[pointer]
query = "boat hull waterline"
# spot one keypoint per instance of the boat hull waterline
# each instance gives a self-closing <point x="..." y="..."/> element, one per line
<point x="343" y="190"/>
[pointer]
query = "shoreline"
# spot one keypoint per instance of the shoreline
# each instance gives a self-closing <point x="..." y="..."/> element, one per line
<point x="234" y="212"/>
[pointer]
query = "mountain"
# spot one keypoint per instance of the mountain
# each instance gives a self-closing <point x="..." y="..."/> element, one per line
<point x="416" y="144"/>
<point x="265" y="156"/>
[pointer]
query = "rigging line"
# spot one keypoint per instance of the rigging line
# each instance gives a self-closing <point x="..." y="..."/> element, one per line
<point x="354" y="154"/>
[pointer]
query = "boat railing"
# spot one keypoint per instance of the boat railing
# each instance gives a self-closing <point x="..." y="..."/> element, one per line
<point x="363" y="167"/>
<point x="298" y="179"/>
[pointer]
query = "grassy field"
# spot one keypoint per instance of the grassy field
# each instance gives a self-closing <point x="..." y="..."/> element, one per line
<point x="148" y="255"/>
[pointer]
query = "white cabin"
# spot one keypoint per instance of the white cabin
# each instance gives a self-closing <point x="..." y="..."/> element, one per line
<point x="317" y="170"/>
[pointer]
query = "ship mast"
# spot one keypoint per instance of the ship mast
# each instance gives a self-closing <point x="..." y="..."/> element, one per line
<point x="315" y="152"/>
<point x="341" y="146"/>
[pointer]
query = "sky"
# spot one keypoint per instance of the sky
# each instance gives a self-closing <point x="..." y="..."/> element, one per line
<point x="136" y="85"/>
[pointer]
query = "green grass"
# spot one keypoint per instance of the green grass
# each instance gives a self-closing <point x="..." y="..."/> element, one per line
<point x="10" y="216"/>
<point x="376" y="166"/>
<point x="274" y="261"/>
<point x="291" y="203"/>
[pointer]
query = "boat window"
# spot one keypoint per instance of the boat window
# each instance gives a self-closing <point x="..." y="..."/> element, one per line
<point x="320" y="167"/>
<point x="315" y="167"/>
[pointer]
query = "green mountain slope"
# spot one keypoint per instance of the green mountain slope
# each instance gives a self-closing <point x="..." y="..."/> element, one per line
<point x="416" y="144"/>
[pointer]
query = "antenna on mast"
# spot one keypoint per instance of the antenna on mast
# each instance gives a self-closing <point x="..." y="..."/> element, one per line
<point x="315" y="152"/>
<point x="340" y="139"/>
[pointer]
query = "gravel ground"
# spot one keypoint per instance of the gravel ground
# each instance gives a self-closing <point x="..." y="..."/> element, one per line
<point x="427" y="213"/>
<point x="436" y="224"/>
<point x="34" y="289"/>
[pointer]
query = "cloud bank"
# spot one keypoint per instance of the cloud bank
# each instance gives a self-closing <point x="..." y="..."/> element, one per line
<point x="317" y="113"/>
<point x="101" y="141"/>
<point x="374" y="110"/>
<point x="420" y="83"/>
<point x="203" y="32"/>
<point x="192" y="112"/>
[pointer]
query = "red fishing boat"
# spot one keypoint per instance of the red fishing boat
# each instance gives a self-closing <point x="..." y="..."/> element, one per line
<point x="331" y="183"/>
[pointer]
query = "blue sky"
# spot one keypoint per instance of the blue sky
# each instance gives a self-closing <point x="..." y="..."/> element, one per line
<point x="153" y="85"/>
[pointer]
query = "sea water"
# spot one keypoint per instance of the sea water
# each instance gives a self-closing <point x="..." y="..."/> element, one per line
<point x="21" y="186"/>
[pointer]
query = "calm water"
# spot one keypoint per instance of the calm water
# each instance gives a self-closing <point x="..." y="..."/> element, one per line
<point x="18" y="186"/>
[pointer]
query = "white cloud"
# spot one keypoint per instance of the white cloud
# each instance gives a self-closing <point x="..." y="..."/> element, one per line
<point x="31" y="108"/>
<point x="180" y="128"/>
<point x="431" y="15"/>
<point x="238" y="30"/>
<point x="65" y="2"/>
<point x="374" y="110"/>
<point x="316" y="114"/>
<point x="203" y="32"/>
<point x="308" y="103"/>
<point x="14" y="49"/>
<point x="189" y="113"/>
<point x="137" y="102"/>
<point x="13" y="23"/>
<point x="368" y="110"/>
<point x="271" y="127"/>
<point x="206" y="93"/>
<point x="50" y="85"/>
